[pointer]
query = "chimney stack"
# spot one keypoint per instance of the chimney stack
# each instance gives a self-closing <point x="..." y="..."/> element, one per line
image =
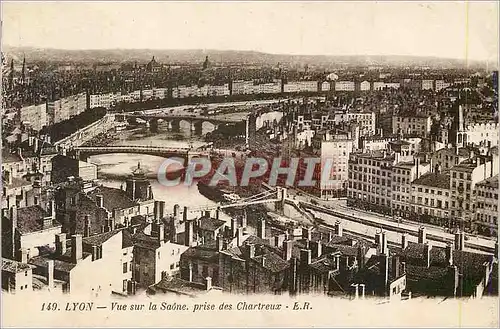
<point x="287" y="249"/>
<point x="318" y="249"/>
<point x="338" y="228"/>
<point x="52" y="209"/>
<point x="185" y="214"/>
<point x="177" y="211"/>
<point x="50" y="274"/>
<point x="76" y="248"/>
<point x="305" y="256"/>
<point x="217" y="213"/>
<point x="161" y="213"/>
<point x="427" y="254"/>
<point x="383" y="248"/>
<point x="234" y="226"/>
<point x="449" y="254"/>
<point x="244" y="219"/>
<point x="404" y="241"/>
<point x="422" y="235"/>
<point x="384" y="270"/>
<point x="188" y="235"/>
<point x="161" y="233"/>
<point x="251" y="251"/>
<point x="61" y="244"/>
<point x="208" y="283"/>
<point x="306" y="233"/>
<point x="378" y="241"/>
<point x="86" y="229"/>
<point x="460" y="240"/>
<point x="395" y="267"/>
<point x="156" y="211"/>
<point x="99" y="200"/>
<point x="261" y="229"/>
<point x="220" y="243"/>
<point x="239" y="236"/>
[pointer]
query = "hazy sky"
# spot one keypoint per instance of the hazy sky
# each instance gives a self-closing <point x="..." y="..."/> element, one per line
<point x="444" y="29"/>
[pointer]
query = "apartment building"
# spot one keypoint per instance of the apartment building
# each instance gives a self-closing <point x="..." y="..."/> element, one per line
<point x="486" y="206"/>
<point x="419" y="125"/>
<point x="365" y="86"/>
<point x="300" y="86"/>
<point x="441" y="84"/>
<point x="335" y="159"/>
<point x="430" y="197"/>
<point x="427" y="85"/>
<point x="34" y="116"/>
<point x="345" y="86"/>
<point x="365" y="120"/>
<point x="464" y="178"/>
<point x="403" y="174"/>
<point x="444" y="159"/>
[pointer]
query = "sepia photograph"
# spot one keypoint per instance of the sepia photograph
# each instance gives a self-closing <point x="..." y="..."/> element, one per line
<point x="249" y="163"/>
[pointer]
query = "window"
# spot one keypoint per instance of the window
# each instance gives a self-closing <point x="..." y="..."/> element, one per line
<point x="125" y="267"/>
<point x="172" y="266"/>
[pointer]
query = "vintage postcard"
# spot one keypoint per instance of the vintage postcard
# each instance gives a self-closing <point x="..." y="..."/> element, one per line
<point x="249" y="164"/>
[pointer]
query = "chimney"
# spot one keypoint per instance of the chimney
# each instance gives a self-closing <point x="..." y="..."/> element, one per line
<point x="156" y="211"/>
<point x="161" y="233"/>
<point x="13" y="219"/>
<point x="188" y="235"/>
<point x="384" y="270"/>
<point x="417" y="168"/>
<point x="61" y="244"/>
<point x="234" y="226"/>
<point x="378" y="241"/>
<point x="395" y="267"/>
<point x="427" y="254"/>
<point x="208" y="283"/>
<point x="161" y="212"/>
<point x="50" y="273"/>
<point x="338" y="228"/>
<point x="76" y="248"/>
<point x="10" y="175"/>
<point x="422" y="236"/>
<point x="150" y="192"/>
<point x="52" y="209"/>
<point x="404" y="241"/>
<point x="190" y="272"/>
<point x="318" y="248"/>
<point x="185" y="214"/>
<point x="24" y="255"/>
<point x="263" y="260"/>
<point x="244" y="219"/>
<point x="99" y="200"/>
<point x="177" y="213"/>
<point x="36" y="141"/>
<point x="86" y="229"/>
<point x="251" y="251"/>
<point x="207" y="214"/>
<point x="287" y="249"/>
<point x="361" y="255"/>
<point x="383" y="247"/>
<point x="449" y="254"/>
<point x="306" y="233"/>
<point x="239" y="236"/>
<point x="460" y="240"/>
<point x="220" y="242"/>
<point x="261" y="229"/>
<point x="305" y="256"/>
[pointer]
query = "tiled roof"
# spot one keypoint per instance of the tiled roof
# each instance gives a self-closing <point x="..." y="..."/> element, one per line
<point x="8" y="157"/>
<point x="202" y="252"/>
<point x="491" y="182"/>
<point x="13" y="266"/>
<point x="211" y="224"/>
<point x="29" y="219"/>
<point x="179" y="286"/>
<point x="113" y="198"/>
<point x="99" y="239"/>
<point x="434" y="180"/>
<point x="272" y="262"/>
<point x="325" y="263"/>
<point x="18" y="182"/>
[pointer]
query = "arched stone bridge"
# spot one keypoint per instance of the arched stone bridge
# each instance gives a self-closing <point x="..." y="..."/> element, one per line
<point x="83" y="152"/>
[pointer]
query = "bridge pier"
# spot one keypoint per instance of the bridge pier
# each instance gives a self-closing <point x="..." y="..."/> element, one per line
<point x="153" y="125"/>
<point x="176" y="125"/>
<point x="198" y="127"/>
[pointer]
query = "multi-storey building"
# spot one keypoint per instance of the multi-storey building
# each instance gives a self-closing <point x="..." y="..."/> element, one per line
<point x="464" y="178"/>
<point x="34" y="116"/>
<point x="430" y="198"/>
<point x="441" y="84"/>
<point x="445" y="158"/>
<point x="55" y="113"/>
<point x="403" y="174"/>
<point x="345" y="86"/>
<point x="325" y="86"/>
<point x="335" y="159"/>
<point x="365" y="86"/>
<point x="300" y="86"/>
<point x="419" y="125"/>
<point x="486" y="220"/>
<point x="365" y="120"/>
<point x="427" y="84"/>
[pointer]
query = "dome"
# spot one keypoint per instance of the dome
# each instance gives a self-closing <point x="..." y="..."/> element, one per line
<point x="332" y="77"/>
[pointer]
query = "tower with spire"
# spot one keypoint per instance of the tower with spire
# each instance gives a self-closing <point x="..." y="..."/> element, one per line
<point x="11" y="75"/>
<point x="206" y="63"/>
<point x="23" y="72"/>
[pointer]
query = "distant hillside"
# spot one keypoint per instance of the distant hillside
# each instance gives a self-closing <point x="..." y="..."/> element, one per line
<point x="219" y="56"/>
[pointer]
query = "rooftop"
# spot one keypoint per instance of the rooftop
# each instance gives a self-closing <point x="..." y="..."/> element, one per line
<point x="30" y="219"/>
<point x="113" y="198"/>
<point x="13" y="266"/>
<point x="491" y="182"/>
<point x="434" y="180"/>
<point x="211" y="224"/>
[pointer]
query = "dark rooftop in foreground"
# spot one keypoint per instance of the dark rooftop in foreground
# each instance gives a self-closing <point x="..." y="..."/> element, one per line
<point x="434" y="180"/>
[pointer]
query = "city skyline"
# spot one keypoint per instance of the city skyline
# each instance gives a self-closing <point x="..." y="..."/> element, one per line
<point x="445" y="30"/>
